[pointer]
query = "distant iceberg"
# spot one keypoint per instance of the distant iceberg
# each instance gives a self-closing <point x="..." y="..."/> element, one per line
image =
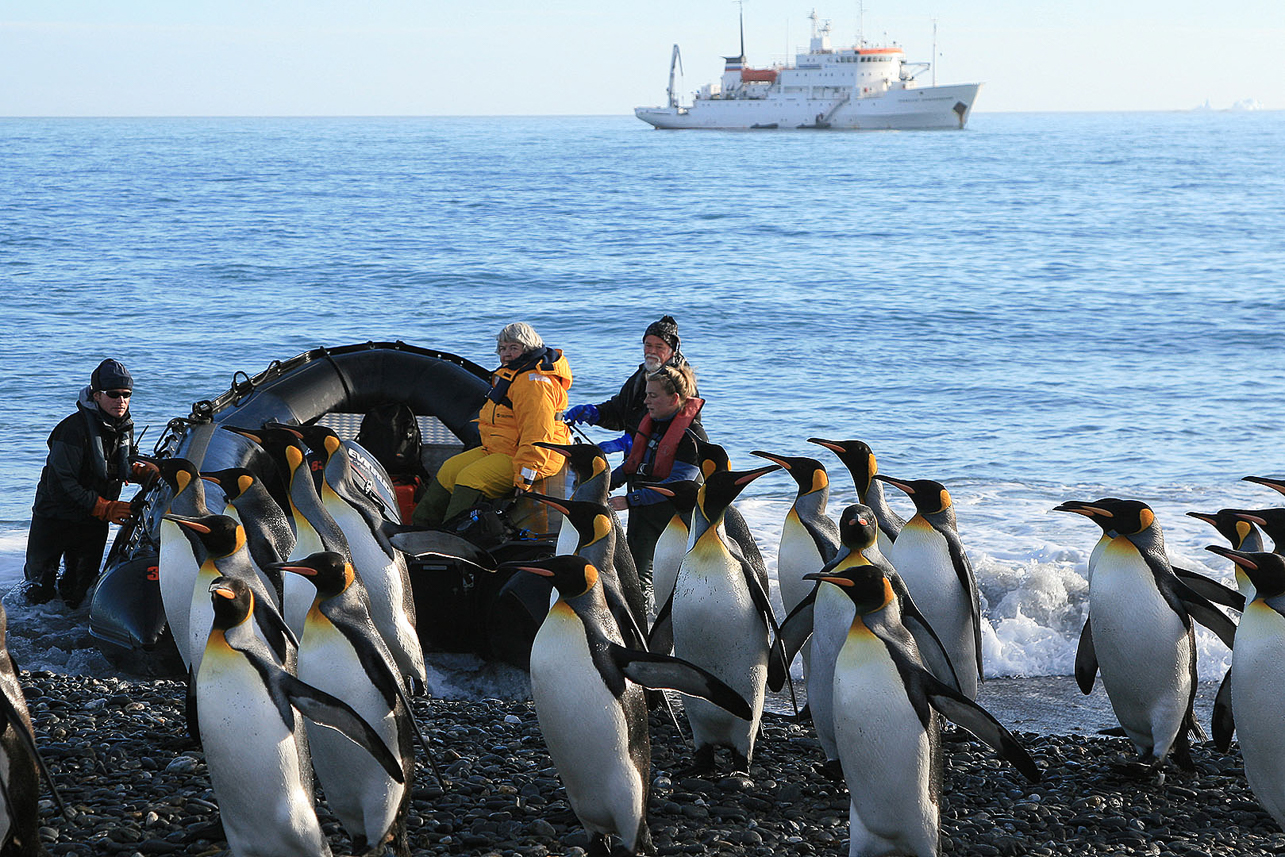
<point x="1248" y="104"/>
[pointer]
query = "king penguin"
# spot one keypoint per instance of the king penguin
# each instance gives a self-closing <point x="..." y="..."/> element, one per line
<point x="593" y="485"/>
<point x="1139" y="633"/>
<point x="886" y="707"/>
<point x="1243" y="535"/>
<point x="181" y="553"/>
<point x="381" y="567"/>
<point x="269" y="534"/>
<point x="860" y="460"/>
<point x="931" y="559"/>
<point x="714" y="459"/>
<point x="826" y="614"/>
<point x="21" y="764"/>
<point x="585" y="685"/>
<point x="722" y="622"/>
<point x="809" y="538"/>
<point x="250" y="733"/>
<point x="671" y="547"/>
<point x="342" y="653"/>
<point x="315" y="528"/>
<point x="1256" y="676"/>
<point x="596" y="542"/>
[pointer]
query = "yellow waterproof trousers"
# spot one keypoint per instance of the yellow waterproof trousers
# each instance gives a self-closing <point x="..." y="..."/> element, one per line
<point x="490" y="473"/>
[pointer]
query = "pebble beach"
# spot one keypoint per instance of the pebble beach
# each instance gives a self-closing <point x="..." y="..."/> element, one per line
<point x="119" y="752"/>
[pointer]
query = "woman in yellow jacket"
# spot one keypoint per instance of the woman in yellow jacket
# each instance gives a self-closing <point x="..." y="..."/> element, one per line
<point x="528" y="395"/>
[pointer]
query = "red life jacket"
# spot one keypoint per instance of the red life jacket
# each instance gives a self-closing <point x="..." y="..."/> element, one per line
<point x="668" y="447"/>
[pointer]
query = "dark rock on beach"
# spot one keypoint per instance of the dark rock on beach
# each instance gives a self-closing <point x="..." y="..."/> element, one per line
<point x="122" y="760"/>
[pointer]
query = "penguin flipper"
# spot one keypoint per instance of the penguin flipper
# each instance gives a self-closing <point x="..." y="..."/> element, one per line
<point x="1086" y="660"/>
<point x="634" y="636"/>
<point x="1223" y="721"/>
<point x="420" y="543"/>
<point x="657" y="672"/>
<point x="963" y="712"/>
<point x="912" y="618"/>
<point x="274" y="628"/>
<point x="1211" y="589"/>
<point x="967" y="579"/>
<point x="13" y="719"/>
<point x="797" y="628"/>
<point x="661" y="638"/>
<point x="778" y="665"/>
<point x="333" y="713"/>
<point x="1199" y="608"/>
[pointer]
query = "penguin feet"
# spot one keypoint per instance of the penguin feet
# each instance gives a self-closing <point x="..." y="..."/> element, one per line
<point x="702" y="763"/>
<point x="832" y="769"/>
<point x="740" y="764"/>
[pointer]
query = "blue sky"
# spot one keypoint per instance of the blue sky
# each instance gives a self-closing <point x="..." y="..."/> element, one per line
<point x="403" y="57"/>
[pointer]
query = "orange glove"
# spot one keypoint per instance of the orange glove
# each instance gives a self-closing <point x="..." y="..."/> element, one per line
<point x="112" y="511"/>
<point x="144" y="472"/>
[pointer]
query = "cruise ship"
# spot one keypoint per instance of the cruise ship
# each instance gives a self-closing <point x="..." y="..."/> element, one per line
<point x="859" y="88"/>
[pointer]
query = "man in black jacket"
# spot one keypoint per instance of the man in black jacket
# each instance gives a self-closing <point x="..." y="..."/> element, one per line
<point x="88" y="463"/>
<point x="623" y="411"/>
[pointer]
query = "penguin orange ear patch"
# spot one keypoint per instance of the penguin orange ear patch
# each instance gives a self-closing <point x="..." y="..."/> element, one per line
<point x="945" y="499"/>
<point x="1146" y="517"/>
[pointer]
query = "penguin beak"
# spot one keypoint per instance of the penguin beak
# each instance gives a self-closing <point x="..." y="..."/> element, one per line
<point x="549" y="501"/>
<point x="1201" y="516"/>
<point x="1240" y="558"/>
<point x="659" y="489"/>
<point x="1079" y="508"/>
<point x="543" y="572"/>
<point x="304" y="570"/>
<point x="837" y="581"/>
<point x="1275" y="484"/>
<point x="190" y="523"/>
<point x="751" y="475"/>
<point x="246" y="433"/>
<point x="770" y="457"/>
<point x="895" y="483"/>
<point x="828" y="444"/>
<point x="1252" y="518"/>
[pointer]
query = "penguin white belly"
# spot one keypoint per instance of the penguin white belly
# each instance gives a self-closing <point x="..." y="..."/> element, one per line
<point x="387" y="584"/>
<point x="1143" y="649"/>
<point x="797" y="556"/>
<point x="922" y="558"/>
<point x="886" y="753"/>
<point x="359" y="791"/>
<point x="717" y="626"/>
<point x="177" y="568"/>
<point x="671" y="547"/>
<point x="254" y="762"/>
<point x="1258" y="674"/>
<point x="832" y="614"/>
<point x="585" y="729"/>
<point x="296" y="592"/>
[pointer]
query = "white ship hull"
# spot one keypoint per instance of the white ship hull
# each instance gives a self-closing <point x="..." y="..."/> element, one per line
<point x="917" y="109"/>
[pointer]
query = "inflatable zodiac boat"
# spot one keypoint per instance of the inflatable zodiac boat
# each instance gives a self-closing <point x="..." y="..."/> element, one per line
<point x="459" y="607"/>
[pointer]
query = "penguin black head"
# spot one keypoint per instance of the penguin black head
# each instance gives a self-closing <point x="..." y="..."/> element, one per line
<point x="234" y="481"/>
<point x="1270" y="482"/>
<point x="233" y="602"/>
<point x="275" y="438"/>
<point x="713" y="457"/>
<point x="857" y="456"/>
<point x="1229" y="525"/>
<point x="1116" y="517"/>
<point x="682" y="495"/>
<point x="858" y="528"/>
<point x="322" y="440"/>
<point x="586" y="459"/>
<point x="327" y="570"/>
<point x="929" y="497"/>
<point x="1272" y="522"/>
<point x="808" y="473"/>
<point x="222" y="535"/>
<point x="866" y="585"/>
<point x="571" y="575"/>
<point x="1265" y="570"/>
<point x="723" y="486"/>
<point x="178" y="473"/>
<point x="591" y="520"/>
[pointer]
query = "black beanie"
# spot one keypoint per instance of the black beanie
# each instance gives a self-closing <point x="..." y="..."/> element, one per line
<point x="111" y="375"/>
<point x="666" y="328"/>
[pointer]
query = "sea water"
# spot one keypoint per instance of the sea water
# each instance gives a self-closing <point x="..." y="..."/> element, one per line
<point x="1041" y="308"/>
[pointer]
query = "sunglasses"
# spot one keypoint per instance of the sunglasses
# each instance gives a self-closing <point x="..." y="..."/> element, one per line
<point x="118" y="394"/>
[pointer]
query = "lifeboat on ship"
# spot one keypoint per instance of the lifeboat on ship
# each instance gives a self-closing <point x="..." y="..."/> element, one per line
<point x="459" y="608"/>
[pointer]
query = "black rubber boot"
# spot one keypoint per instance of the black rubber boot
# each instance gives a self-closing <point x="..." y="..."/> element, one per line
<point x="462" y="499"/>
<point x="431" y="509"/>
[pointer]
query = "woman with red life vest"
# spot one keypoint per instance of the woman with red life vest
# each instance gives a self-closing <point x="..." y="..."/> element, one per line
<point x="528" y="393"/>
<point x="664" y="450"/>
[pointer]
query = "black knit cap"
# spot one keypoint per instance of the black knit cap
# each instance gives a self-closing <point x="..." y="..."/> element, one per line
<point x="111" y="375"/>
<point x="666" y="328"/>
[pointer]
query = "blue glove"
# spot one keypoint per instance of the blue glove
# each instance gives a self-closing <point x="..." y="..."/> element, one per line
<point x="624" y="443"/>
<point x="581" y="414"/>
